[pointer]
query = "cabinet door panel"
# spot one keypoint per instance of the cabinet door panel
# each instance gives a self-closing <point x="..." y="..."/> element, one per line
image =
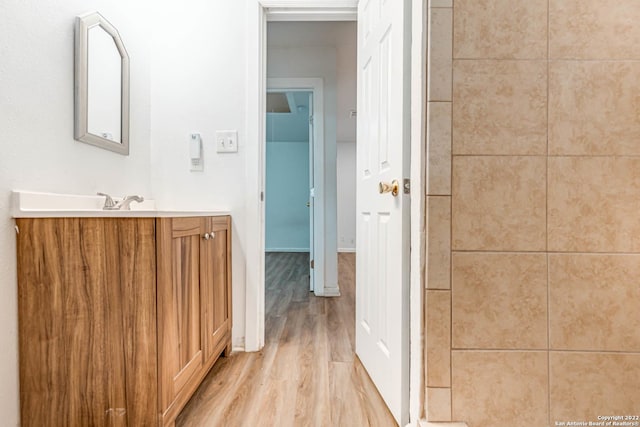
<point x="186" y="291"/>
<point x="86" y="357"/>
<point x="179" y="296"/>
<point x="217" y="307"/>
<point x="131" y="307"/>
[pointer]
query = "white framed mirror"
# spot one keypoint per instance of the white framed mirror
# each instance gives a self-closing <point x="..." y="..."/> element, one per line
<point x="101" y="85"/>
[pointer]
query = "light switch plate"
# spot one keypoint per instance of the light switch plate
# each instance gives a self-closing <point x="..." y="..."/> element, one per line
<point x="227" y="141"/>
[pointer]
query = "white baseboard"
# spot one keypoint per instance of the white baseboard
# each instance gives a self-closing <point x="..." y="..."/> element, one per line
<point x="348" y="250"/>
<point x="424" y="423"/>
<point x="238" y="344"/>
<point x="331" y="292"/>
<point x="286" y="250"/>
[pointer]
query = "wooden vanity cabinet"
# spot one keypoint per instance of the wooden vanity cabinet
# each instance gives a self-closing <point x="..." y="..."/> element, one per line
<point x="194" y="290"/>
<point x="120" y="319"/>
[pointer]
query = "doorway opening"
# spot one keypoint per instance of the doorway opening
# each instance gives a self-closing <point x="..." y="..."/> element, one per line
<point x="271" y="10"/>
<point x="317" y="58"/>
<point x="289" y="176"/>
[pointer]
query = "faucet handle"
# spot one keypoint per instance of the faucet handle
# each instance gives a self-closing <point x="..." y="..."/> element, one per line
<point x="108" y="202"/>
<point x="134" y="198"/>
<point x="125" y="203"/>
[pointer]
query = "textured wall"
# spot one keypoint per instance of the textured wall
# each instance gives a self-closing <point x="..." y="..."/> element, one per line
<point x="532" y="211"/>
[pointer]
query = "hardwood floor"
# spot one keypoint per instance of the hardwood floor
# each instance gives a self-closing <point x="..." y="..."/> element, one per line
<point x="307" y="374"/>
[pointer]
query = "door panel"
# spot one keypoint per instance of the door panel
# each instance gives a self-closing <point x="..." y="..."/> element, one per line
<point x="180" y="317"/>
<point x="382" y="241"/>
<point x="187" y="296"/>
<point x="86" y="300"/>
<point x="215" y="269"/>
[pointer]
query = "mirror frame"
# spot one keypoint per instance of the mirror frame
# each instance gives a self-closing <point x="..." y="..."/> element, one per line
<point x="83" y="24"/>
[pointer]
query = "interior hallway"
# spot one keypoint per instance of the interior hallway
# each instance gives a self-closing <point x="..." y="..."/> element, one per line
<point x="307" y="373"/>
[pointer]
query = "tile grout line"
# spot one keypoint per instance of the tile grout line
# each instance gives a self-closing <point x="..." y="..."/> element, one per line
<point x="543" y="350"/>
<point x="572" y="60"/>
<point x="551" y="156"/>
<point x="451" y="220"/>
<point x="547" y="222"/>
<point x="542" y="252"/>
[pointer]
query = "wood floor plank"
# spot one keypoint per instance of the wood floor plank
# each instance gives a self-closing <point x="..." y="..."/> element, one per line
<point x="307" y="374"/>
<point x="346" y="408"/>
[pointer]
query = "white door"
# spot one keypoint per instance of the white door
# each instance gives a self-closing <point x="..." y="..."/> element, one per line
<point x="382" y="265"/>
<point x="311" y="203"/>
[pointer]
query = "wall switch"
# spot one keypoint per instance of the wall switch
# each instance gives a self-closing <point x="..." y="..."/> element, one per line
<point x="227" y="141"/>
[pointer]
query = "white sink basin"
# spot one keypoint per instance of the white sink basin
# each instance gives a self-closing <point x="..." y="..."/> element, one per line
<point x="29" y="204"/>
<point x="33" y="204"/>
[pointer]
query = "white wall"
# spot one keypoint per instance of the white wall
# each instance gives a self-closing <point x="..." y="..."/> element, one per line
<point x="341" y="38"/>
<point x="346" y="42"/>
<point x="346" y="170"/>
<point x="36" y="133"/>
<point x="198" y="84"/>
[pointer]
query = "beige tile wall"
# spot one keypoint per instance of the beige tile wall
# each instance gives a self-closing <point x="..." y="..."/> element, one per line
<point x="532" y="311"/>
<point x="438" y="263"/>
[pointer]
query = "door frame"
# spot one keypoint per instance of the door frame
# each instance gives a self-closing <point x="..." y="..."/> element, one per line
<point x="323" y="10"/>
<point x="315" y="86"/>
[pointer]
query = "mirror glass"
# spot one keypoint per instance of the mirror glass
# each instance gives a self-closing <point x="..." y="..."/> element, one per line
<point x="101" y="85"/>
<point x="104" y="85"/>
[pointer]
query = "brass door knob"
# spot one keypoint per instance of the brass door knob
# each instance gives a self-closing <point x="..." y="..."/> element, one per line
<point x="392" y="188"/>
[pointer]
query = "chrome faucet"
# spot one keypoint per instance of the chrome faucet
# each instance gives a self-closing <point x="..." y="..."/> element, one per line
<point x="123" y="205"/>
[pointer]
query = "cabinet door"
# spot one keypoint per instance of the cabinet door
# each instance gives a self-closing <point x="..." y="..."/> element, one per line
<point x="87" y="309"/>
<point x="216" y="268"/>
<point x="179" y="248"/>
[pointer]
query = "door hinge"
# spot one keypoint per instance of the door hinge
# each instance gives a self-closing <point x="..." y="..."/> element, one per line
<point x="407" y="186"/>
<point x="262" y="196"/>
<point x="311" y="119"/>
<point x="312" y="263"/>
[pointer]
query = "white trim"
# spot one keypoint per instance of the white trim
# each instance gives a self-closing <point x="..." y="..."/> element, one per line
<point x="301" y="250"/>
<point x="418" y="234"/>
<point x="425" y="423"/>
<point x="310" y="10"/>
<point x="330" y="292"/>
<point x="238" y="345"/>
<point x="294" y="14"/>
<point x="316" y="86"/>
<point x="255" y="125"/>
<point x="310" y="4"/>
<point x="347" y="250"/>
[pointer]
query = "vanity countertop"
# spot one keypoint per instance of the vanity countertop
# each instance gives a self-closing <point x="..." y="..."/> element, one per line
<point x="28" y="204"/>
